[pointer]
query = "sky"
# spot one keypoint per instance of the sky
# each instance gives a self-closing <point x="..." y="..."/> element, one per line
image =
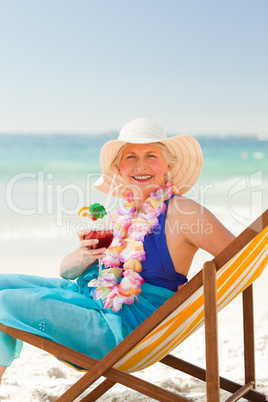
<point x="90" y="66"/>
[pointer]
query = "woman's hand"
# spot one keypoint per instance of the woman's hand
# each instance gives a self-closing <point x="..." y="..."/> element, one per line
<point x="75" y="264"/>
<point x="88" y="248"/>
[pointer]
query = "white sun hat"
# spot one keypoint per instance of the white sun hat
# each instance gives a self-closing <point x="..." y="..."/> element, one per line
<point x="184" y="172"/>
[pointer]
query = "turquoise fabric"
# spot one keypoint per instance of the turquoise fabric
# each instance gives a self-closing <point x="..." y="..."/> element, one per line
<point x="65" y="312"/>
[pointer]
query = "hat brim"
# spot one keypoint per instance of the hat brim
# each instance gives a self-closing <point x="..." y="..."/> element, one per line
<point x="184" y="173"/>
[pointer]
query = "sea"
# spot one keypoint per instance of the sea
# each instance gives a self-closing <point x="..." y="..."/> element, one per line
<point x="46" y="179"/>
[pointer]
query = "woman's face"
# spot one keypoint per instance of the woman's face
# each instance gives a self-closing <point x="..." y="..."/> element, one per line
<point x="144" y="166"/>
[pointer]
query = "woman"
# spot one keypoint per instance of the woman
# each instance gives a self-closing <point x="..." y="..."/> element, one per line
<point x="155" y="241"/>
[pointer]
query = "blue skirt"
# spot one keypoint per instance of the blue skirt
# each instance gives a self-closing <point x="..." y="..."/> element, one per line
<point x="65" y="312"/>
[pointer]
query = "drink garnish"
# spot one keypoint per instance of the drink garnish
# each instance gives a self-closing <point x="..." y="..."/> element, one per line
<point x="93" y="212"/>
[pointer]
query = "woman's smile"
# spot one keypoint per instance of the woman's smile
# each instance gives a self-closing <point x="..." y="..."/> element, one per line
<point x="142" y="178"/>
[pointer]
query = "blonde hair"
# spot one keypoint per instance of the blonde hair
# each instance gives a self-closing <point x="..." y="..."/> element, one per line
<point x="169" y="157"/>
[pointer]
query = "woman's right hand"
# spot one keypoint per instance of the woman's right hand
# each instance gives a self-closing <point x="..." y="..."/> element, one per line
<point x="76" y="263"/>
<point x="88" y="249"/>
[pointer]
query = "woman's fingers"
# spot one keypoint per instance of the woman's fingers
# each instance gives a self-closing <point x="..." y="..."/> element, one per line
<point x="93" y="252"/>
<point x="87" y="249"/>
<point x="89" y="243"/>
<point x="89" y="255"/>
<point x="93" y="257"/>
<point x="81" y="233"/>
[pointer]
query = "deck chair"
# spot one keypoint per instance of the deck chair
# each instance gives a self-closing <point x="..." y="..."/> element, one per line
<point x="231" y="272"/>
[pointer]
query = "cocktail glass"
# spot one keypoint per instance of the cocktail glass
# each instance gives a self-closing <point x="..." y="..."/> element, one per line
<point x="101" y="229"/>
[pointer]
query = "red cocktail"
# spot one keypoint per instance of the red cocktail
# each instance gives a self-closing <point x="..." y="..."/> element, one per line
<point x="102" y="230"/>
<point x="105" y="238"/>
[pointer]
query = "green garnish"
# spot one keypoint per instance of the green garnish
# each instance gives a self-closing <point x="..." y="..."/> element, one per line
<point x="97" y="211"/>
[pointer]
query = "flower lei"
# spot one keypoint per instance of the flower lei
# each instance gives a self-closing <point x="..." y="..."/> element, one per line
<point x="127" y="248"/>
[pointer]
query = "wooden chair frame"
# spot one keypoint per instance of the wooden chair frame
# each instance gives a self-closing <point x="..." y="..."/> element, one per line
<point x="104" y="367"/>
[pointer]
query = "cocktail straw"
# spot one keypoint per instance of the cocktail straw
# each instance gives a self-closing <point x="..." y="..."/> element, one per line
<point x="111" y="189"/>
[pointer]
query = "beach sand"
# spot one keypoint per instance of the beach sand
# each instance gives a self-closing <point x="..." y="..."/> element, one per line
<point x="38" y="377"/>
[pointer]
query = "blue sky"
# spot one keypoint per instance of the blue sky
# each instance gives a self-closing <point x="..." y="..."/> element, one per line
<point x="84" y="66"/>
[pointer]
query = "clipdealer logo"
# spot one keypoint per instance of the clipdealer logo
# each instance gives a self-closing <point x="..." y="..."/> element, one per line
<point x="251" y="190"/>
<point x="50" y="198"/>
<point x="53" y="198"/>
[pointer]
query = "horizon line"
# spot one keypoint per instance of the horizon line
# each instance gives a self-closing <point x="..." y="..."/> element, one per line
<point x="259" y="135"/>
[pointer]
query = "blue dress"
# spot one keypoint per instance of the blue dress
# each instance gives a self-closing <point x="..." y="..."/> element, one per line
<point x="66" y="312"/>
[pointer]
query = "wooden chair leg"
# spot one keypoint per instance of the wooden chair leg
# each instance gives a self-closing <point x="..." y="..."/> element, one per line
<point x="99" y="391"/>
<point x="249" y="347"/>
<point x="211" y="332"/>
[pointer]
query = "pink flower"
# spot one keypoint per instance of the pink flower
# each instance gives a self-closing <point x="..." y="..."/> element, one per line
<point x="119" y="231"/>
<point x="129" y="197"/>
<point x="152" y="220"/>
<point x="134" y="277"/>
<point x="111" y="260"/>
<point x="126" y="209"/>
<point x="138" y="230"/>
<point x="117" y="302"/>
<point x="158" y="194"/>
<point x="109" y="277"/>
<point x="134" y="250"/>
<point x="101" y="293"/>
<point x="127" y="289"/>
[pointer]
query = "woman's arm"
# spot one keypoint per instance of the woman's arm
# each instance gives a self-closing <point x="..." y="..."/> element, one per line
<point x="74" y="264"/>
<point x="188" y="227"/>
<point x="199" y="227"/>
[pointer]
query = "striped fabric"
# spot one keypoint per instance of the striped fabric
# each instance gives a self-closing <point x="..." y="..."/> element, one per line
<point x="232" y="279"/>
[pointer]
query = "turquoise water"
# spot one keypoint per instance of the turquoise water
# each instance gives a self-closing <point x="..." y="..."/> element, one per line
<point x="228" y="156"/>
<point x="61" y="155"/>
<point x="45" y="180"/>
<point x="75" y="155"/>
